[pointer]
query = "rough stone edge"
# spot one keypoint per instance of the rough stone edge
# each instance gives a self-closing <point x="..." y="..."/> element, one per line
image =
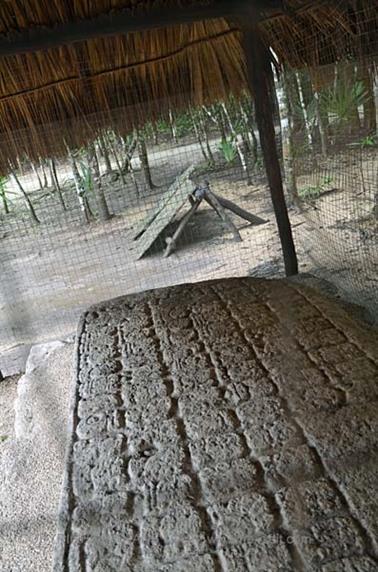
<point x="63" y="519"/>
<point x="337" y="312"/>
<point x="355" y="309"/>
<point x="24" y="418"/>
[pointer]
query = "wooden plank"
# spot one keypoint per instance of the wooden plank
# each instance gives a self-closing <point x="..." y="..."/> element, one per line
<point x="229" y="205"/>
<point x="171" y="241"/>
<point x="167" y="197"/>
<point x="261" y="82"/>
<point x="164" y="217"/>
<point x="212" y="200"/>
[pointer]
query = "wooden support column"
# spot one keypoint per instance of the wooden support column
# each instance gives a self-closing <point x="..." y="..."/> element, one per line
<point x="261" y="83"/>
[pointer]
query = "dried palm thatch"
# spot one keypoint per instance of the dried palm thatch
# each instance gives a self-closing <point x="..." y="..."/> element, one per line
<point x="66" y="95"/>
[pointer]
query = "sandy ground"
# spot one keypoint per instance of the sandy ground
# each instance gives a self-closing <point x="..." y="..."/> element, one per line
<point x="32" y="451"/>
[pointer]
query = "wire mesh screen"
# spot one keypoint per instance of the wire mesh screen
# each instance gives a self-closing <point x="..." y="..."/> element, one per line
<point x="329" y="114"/>
<point x="331" y="165"/>
<point x="99" y="222"/>
<point x="94" y="212"/>
<point x="340" y="210"/>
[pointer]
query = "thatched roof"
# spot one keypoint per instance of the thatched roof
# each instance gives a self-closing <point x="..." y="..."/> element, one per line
<point x="62" y="95"/>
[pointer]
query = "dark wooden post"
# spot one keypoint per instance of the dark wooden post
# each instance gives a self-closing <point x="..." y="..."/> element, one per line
<point x="261" y="83"/>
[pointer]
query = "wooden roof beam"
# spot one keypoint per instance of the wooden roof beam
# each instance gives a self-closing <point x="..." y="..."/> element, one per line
<point x="123" y="22"/>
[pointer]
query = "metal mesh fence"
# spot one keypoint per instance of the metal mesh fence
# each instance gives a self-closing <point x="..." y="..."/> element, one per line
<point x="334" y="175"/>
<point x="96" y="223"/>
<point x="341" y="222"/>
<point x="61" y="252"/>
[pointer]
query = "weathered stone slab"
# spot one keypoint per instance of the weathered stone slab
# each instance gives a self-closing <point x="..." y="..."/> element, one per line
<point x="221" y="426"/>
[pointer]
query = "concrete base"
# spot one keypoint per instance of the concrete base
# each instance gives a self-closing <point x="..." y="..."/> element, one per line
<point x="226" y="426"/>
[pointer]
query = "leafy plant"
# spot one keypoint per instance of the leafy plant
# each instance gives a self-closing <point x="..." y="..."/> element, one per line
<point x="314" y="192"/>
<point x="326" y="182"/>
<point x="308" y="193"/>
<point x="183" y="124"/>
<point x="86" y="177"/>
<point x="342" y="101"/>
<point x="228" y="150"/>
<point x="368" y="141"/>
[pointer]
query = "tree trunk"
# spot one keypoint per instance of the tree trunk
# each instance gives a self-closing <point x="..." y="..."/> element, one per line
<point x="205" y="131"/>
<point x="129" y="152"/>
<point x="215" y="114"/>
<point x="298" y="119"/>
<point x="306" y="96"/>
<point x="117" y="161"/>
<point x="35" y="171"/>
<point x="155" y="131"/>
<point x="246" y="131"/>
<point x="246" y="143"/>
<point x="55" y="182"/>
<point x="145" y="165"/>
<point x="321" y="125"/>
<point x="102" y="207"/>
<point x="172" y="126"/>
<point x="349" y="77"/>
<point x="80" y="191"/>
<point x="197" y="131"/>
<point x="239" y="145"/>
<point x="45" y="182"/>
<point x="27" y="199"/>
<point x="20" y="166"/>
<point x="4" y="200"/>
<point x="248" y="107"/>
<point x="105" y="154"/>
<point x="298" y="116"/>
<point x="287" y="129"/>
<point x="365" y="75"/>
<point x="276" y="117"/>
<point x="221" y="123"/>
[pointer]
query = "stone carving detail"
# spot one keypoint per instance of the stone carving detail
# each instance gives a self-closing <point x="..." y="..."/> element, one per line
<point x="222" y="427"/>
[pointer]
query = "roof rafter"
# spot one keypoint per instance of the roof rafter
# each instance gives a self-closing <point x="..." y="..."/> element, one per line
<point x="122" y="22"/>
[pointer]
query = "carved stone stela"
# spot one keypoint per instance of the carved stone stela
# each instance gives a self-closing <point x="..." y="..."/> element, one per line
<point x="221" y="426"/>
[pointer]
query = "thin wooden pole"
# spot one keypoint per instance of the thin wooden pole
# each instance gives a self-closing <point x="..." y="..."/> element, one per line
<point x="261" y="82"/>
<point x="213" y="202"/>
<point x="229" y="205"/>
<point x="171" y="242"/>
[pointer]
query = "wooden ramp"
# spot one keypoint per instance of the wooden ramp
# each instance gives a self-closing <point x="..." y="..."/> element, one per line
<point x="183" y="190"/>
<point x="153" y="225"/>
